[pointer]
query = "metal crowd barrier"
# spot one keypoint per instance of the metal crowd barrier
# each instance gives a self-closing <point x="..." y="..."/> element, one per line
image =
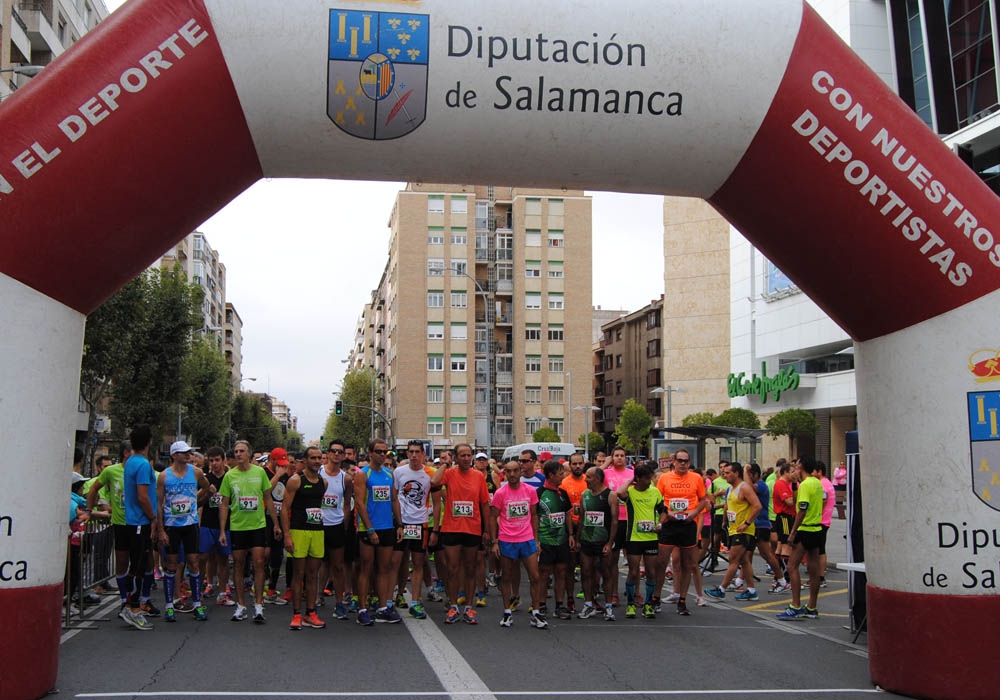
<point x="95" y="561"/>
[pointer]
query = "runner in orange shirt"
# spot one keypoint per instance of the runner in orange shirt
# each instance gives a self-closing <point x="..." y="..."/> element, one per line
<point x="685" y="500"/>
<point x="574" y="484"/>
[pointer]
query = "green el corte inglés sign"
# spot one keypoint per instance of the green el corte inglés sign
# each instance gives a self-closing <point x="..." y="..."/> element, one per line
<point x="785" y="380"/>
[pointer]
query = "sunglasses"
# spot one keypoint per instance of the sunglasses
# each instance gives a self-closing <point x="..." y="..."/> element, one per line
<point x="378" y="452"/>
<point x="336" y="452"/>
<point x="682" y="461"/>
<point x="525" y="461"/>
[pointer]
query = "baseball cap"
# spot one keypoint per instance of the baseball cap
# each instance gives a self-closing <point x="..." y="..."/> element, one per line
<point x="544" y="456"/>
<point x="180" y="446"/>
<point x="481" y="455"/>
<point x="77" y="478"/>
<point x="280" y="456"/>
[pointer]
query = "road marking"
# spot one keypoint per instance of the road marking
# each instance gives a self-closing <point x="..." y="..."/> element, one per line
<point x="778" y="626"/>
<point x="785" y="602"/>
<point x="88" y="624"/>
<point x="805" y="692"/>
<point x="456" y="675"/>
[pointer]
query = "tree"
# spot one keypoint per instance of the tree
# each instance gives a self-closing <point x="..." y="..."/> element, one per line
<point x="207" y="394"/>
<point x="294" y="441"/>
<point x="793" y="422"/>
<point x="546" y="434"/>
<point x="354" y="426"/>
<point x="596" y="442"/>
<point x="738" y="418"/>
<point x="703" y="418"/>
<point x="251" y="421"/>
<point x="634" y="424"/>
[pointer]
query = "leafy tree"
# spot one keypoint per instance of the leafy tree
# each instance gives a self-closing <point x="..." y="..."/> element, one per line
<point x="207" y="394"/>
<point x="354" y="426"/>
<point x="793" y="422"/>
<point x="634" y="424"/>
<point x="294" y="441"/>
<point x="251" y="421"/>
<point x="738" y="418"/>
<point x="703" y="418"/>
<point x="596" y="441"/>
<point x="546" y="434"/>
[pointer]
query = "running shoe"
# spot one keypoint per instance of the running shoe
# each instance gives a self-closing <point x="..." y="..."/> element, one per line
<point x="670" y="574"/>
<point x="352" y="606"/>
<point x="389" y="615"/>
<point x="461" y="598"/>
<point x="327" y="591"/>
<point x="136" y="619"/>
<point x="239" y="614"/>
<point x="779" y="587"/>
<point x="296" y="623"/>
<point x="514" y="603"/>
<point x="434" y="596"/>
<point x="184" y="605"/>
<point x="225" y="600"/>
<point x="648" y="611"/>
<point x="312" y="620"/>
<point x="480" y="599"/>
<point x="200" y="614"/>
<point x="571" y="607"/>
<point x="768" y="570"/>
<point x="157" y="574"/>
<point x="657" y="604"/>
<point x="417" y="610"/>
<point x="271" y="596"/>
<point x="791" y="613"/>
<point x="562" y="613"/>
<point x="609" y="613"/>
<point x="364" y="619"/>
<point x="401" y="601"/>
<point x="507" y="620"/>
<point x="373" y="601"/>
<point x="340" y="612"/>
<point x="168" y="615"/>
<point x="736" y="585"/>
<point x="544" y="608"/>
<point x="673" y="598"/>
<point x="149" y="610"/>
<point x="682" y="608"/>
<point x="285" y="599"/>
<point x="538" y="620"/>
<point x="576" y="574"/>
<point x="258" y="614"/>
<point x="580" y="595"/>
<point x="630" y="610"/>
<point x="716" y="592"/>
<point x="587" y="612"/>
<point x="452" y="616"/>
<point x="700" y="601"/>
<point x="470" y="616"/>
<point x="810" y="613"/>
<point x="439" y="587"/>
<point x="208" y="590"/>
<point x="491" y="580"/>
<point x="748" y="595"/>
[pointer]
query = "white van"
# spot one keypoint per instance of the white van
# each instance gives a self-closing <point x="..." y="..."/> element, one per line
<point x="558" y="449"/>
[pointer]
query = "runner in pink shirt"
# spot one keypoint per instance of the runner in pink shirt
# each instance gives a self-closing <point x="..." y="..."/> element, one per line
<point x="616" y="475"/>
<point x="829" y="501"/>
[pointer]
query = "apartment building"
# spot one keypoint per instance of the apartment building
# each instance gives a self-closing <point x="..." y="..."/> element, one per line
<point x="233" y="345"/>
<point x="481" y="323"/>
<point x="201" y="265"/>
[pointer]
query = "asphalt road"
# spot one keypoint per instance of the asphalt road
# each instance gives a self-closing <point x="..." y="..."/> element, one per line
<point x="726" y="651"/>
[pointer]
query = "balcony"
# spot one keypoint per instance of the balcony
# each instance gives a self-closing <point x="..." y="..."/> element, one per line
<point x="482" y="255"/>
<point x="504" y="409"/>
<point x="505" y="318"/>
<point x="505" y="378"/>
<point x="37" y="17"/>
<point x="505" y="286"/>
<point x="481" y="377"/>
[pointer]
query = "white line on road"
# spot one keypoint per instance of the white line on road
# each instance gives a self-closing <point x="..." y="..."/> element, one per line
<point x="455" y="674"/>
<point x="804" y="692"/>
<point x="778" y="626"/>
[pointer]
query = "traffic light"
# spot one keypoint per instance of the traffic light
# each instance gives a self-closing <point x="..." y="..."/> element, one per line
<point x="338" y="407"/>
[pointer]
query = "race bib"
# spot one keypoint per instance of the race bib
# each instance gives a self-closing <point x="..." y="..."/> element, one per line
<point x="462" y="509"/>
<point x="314" y="516"/>
<point x="557" y="518"/>
<point x="277" y="508"/>
<point x="731" y="516"/>
<point x="645" y="526"/>
<point x="181" y="506"/>
<point x="678" y="505"/>
<point x="215" y="500"/>
<point x="249" y="503"/>
<point x="594" y="518"/>
<point x="520" y="509"/>
<point x="381" y="493"/>
<point x="412" y="532"/>
<point x="331" y="501"/>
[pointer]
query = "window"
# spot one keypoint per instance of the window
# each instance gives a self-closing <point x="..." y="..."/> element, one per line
<point x="555" y="270"/>
<point x="609" y="386"/>
<point x="459" y="300"/>
<point x="459" y="394"/>
<point x="435" y="427"/>
<point x="435" y="300"/>
<point x="533" y="394"/>
<point x="654" y="406"/>
<point x="618" y="387"/>
<point x="653" y="348"/>
<point x="608" y="362"/>
<point x="556" y="239"/>
<point x="653" y="319"/>
<point x="532" y="237"/>
<point x="533" y="363"/>
<point x="556" y="207"/>
<point x="533" y="206"/>
<point x="459" y="267"/>
<point x="459" y="331"/>
<point x="556" y="301"/>
<point x="555" y="394"/>
<point x="505" y="246"/>
<point x="618" y="360"/>
<point x="557" y="425"/>
<point x="609" y="413"/>
<point x="532" y="268"/>
<point x="459" y="238"/>
<point x="435" y="267"/>
<point x="505" y="272"/>
<point x="435" y="394"/>
<point x="481" y="396"/>
<point x="555" y="332"/>
<point x="618" y="334"/>
<point x="482" y="243"/>
<point x="556" y="363"/>
<point x="533" y="300"/>
<point x="531" y="425"/>
<point x="435" y="235"/>
<point x="435" y="204"/>
<point x="435" y="331"/>
<point x="459" y="427"/>
<point x="458" y="363"/>
<point x="653" y="377"/>
<point x="459" y="205"/>
<point x="533" y="332"/>
<point x="435" y="363"/>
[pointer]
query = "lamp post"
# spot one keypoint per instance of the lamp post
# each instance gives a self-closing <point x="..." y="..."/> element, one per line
<point x="27" y="71"/>
<point x="569" y="402"/>
<point x="586" y="429"/>
<point x="489" y="357"/>
<point x="669" y="391"/>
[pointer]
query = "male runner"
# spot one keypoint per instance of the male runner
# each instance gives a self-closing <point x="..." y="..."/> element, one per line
<point x="214" y="557"/>
<point x="783" y="498"/>
<point x="246" y="494"/>
<point x="302" y="523"/>
<point x="684" y="494"/>
<point x="110" y="486"/>
<point x="596" y="530"/>
<point x="806" y="538"/>
<point x="139" y="488"/>
<point x="463" y="527"/>
<point x="279" y="470"/>
<point x="336" y="504"/>
<point x="557" y="540"/>
<point x="378" y="513"/>
<point x="763" y="527"/>
<point x="514" y="531"/>
<point x="179" y="489"/>
<point x="413" y="489"/>
<point x="616" y="475"/>
<point x="644" y="506"/>
<point x="529" y="475"/>
<point x="717" y="492"/>
<point x="742" y="508"/>
<point x="574" y="484"/>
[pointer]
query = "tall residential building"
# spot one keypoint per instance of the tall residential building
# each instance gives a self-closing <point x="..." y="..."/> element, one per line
<point x="233" y="345"/>
<point x="200" y="264"/>
<point x="34" y="33"/>
<point x="481" y="323"/>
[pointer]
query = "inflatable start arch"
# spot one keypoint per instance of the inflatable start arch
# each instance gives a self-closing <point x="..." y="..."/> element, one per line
<point x="172" y="107"/>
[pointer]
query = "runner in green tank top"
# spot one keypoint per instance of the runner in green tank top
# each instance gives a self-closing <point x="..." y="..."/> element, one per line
<point x="645" y="516"/>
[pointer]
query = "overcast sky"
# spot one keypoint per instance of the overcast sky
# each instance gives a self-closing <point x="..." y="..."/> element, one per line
<point x="302" y="258"/>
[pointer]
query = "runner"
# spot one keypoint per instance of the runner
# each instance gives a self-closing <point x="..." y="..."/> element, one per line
<point x="110" y="486"/>
<point x="783" y="498"/>
<point x="742" y="508"/>
<point x="763" y="527"/>
<point x="557" y="540"/>
<point x="279" y="470"/>
<point x="596" y="530"/>
<point x="139" y="489"/>
<point x="302" y="523"/>
<point x="214" y="557"/>
<point x="514" y="530"/>
<point x="644" y="509"/>
<point x="574" y="484"/>
<point x="684" y="494"/>
<point x="246" y="494"/>
<point x="616" y="475"/>
<point x="717" y="492"/>
<point x="463" y="527"/>
<point x="413" y="488"/>
<point x="378" y="513"/>
<point x="338" y="496"/>
<point x="806" y="536"/>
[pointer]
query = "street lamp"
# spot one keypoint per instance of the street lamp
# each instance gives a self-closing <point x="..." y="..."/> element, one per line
<point x="586" y="429"/>
<point x="669" y="391"/>
<point x="27" y="71"/>
<point x="489" y="357"/>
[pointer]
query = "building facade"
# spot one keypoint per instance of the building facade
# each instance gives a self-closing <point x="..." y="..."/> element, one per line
<point x="481" y="323"/>
<point x="200" y="263"/>
<point x="233" y="345"/>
